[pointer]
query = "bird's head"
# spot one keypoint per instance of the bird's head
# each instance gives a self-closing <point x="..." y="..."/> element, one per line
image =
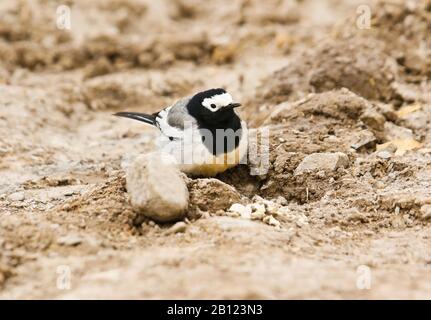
<point x="214" y="105"/>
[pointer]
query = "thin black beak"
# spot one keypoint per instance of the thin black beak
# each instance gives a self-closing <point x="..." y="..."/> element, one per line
<point x="233" y="105"/>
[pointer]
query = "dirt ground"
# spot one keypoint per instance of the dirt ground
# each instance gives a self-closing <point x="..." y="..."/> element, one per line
<point x="307" y="70"/>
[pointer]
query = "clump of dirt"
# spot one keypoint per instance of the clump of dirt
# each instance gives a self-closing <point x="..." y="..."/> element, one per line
<point x="345" y="65"/>
<point x="105" y="204"/>
<point x="6" y="269"/>
<point x="210" y="195"/>
<point x="359" y="65"/>
<point x="239" y="177"/>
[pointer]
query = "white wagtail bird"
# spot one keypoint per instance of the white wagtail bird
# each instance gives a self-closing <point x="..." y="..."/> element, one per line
<point x="202" y="132"/>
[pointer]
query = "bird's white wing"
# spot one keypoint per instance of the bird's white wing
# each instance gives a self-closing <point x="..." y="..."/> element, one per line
<point x="164" y="126"/>
<point x="172" y="120"/>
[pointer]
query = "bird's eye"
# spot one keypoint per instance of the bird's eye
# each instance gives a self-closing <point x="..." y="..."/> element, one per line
<point x="213" y="105"/>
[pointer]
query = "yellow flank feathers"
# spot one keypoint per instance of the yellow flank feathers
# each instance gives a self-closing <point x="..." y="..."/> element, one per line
<point x="215" y="165"/>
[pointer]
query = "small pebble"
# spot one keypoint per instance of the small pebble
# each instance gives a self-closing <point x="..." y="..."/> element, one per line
<point x="281" y="200"/>
<point x="331" y="139"/>
<point x="380" y="185"/>
<point x="271" y="206"/>
<point x="270" y="220"/>
<point x="178" y="227"/>
<point x="70" y="240"/>
<point x="258" y="208"/>
<point x="282" y="211"/>
<point x="325" y="161"/>
<point x="257" y="215"/>
<point x="17" y="196"/>
<point x="426" y="212"/>
<point x="241" y="210"/>
<point x="384" y="154"/>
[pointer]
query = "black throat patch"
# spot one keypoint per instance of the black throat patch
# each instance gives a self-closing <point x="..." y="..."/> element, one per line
<point x="221" y="137"/>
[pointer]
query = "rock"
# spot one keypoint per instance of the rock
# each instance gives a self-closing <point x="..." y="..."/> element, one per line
<point x="301" y="221"/>
<point x="387" y="110"/>
<point x="331" y="139"/>
<point x="70" y="240"/>
<point x="271" y="207"/>
<point x="178" y="227"/>
<point x="426" y="212"/>
<point x="257" y="199"/>
<point x="401" y="146"/>
<point x="258" y="208"/>
<point x="156" y="187"/>
<point x="363" y="139"/>
<point x="17" y="196"/>
<point x="389" y="147"/>
<point x="283" y="211"/>
<point x="281" y="200"/>
<point x="373" y="119"/>
<point x="270" y="220"/>
<point x="380" y="185"/>
<point x="384" y="154"/>
<point x="211" y="195"/>
<point x="322" y="161"/>
<point x="353" y="214"/>
<point x="233" y="224"/>
<point x="232" y="214"/>
<point x="394" y="132"/>
<point x="257" y="215"/>
<point x="292" y="216"/>
<point x="267" y="206"/>
<point x="243" y="211"/>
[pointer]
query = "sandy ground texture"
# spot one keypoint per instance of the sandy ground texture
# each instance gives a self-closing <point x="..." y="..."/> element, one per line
<point x="343" y="212"/>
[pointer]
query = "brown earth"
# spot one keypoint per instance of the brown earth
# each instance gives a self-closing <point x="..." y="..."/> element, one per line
<point x="302" y="69"/>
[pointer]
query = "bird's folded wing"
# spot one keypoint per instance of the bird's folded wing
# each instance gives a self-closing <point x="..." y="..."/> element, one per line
<point x="172" y="120"/>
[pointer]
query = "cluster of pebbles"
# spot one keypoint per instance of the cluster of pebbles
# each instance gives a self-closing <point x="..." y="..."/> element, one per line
<point x="268" y="211"/>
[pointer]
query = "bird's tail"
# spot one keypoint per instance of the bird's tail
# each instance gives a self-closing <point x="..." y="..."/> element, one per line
<point x="144" y="117"/>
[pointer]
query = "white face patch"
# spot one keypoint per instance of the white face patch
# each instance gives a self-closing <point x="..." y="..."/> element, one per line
<point x="217" y="102"/>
